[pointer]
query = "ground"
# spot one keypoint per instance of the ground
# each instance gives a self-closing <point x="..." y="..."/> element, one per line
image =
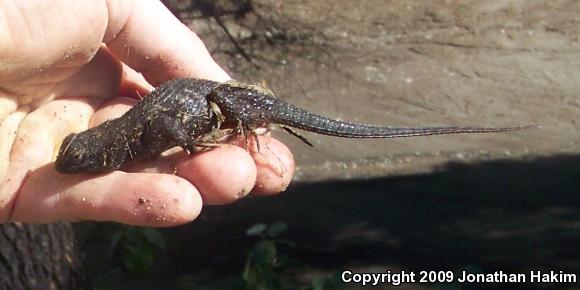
<point x="410" y="63"/>
<point x="490" y="202"/>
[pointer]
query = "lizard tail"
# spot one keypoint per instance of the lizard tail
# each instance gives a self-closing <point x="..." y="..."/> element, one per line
<point x="302" y="119"/>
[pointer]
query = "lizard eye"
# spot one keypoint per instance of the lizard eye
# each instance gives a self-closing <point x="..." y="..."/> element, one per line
<point x="77" y="156"/>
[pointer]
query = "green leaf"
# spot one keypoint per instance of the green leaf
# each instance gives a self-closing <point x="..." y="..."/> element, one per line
<point x="264" y="253"/>
<point x="256" y="229"/>
<point x="276" y="229"/>
<point x="138" y="259"/>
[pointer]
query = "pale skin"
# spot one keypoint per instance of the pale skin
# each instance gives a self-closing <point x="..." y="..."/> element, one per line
<point x="65" y="66"/>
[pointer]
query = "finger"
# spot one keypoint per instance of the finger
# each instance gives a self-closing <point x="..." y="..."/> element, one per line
<point x="130" y="198"/>
<point x="133" y="84"/>
<point x="274" y="162"/>
<point x="160" y="49"/>
<point x="8" y="105"/>
<point x="8" y="129"/>
<point x="114" y="108"/>
<point x="100" y="78"/>
<point x="37" y="141"/>
<point x="222" y="175"/>
<point x="228" y="173"/>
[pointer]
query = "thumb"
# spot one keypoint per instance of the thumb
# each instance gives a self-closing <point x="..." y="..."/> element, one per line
<point x="151" y="40"/>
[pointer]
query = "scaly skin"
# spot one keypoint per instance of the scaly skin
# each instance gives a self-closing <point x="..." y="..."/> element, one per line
<point x="188" y="112"/>
<point x="176" y="113"/>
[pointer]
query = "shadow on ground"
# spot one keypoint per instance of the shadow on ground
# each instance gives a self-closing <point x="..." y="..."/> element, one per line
<point x="507" y="215"/>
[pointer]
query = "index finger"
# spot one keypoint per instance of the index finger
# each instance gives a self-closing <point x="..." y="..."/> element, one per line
<point x="143" y="199"/>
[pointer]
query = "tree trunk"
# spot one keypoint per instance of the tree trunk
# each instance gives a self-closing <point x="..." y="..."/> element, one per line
<point x="39" y="257"/>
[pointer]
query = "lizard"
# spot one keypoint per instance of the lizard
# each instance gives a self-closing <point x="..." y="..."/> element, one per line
<point x="188" y="112"/>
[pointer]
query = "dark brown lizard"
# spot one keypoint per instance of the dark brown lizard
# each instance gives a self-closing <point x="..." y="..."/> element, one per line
<point x="185" y="112"/>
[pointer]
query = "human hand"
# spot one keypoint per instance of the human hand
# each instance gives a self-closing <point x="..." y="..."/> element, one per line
<point x="59" y="62"/>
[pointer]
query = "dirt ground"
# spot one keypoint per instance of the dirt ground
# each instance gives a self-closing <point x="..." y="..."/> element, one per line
<point x="411" y="63"/>
<point x="494" y="202"/>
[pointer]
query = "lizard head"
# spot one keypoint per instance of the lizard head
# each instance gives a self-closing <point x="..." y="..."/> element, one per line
<point x="80" y="152"/>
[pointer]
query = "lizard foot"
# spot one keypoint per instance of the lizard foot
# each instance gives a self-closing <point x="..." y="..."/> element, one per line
<point x="297" y="135"/>
<point x="246" y="131"/>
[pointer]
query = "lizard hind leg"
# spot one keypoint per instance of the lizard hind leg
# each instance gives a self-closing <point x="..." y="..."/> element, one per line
<point x="297" y="135"/>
